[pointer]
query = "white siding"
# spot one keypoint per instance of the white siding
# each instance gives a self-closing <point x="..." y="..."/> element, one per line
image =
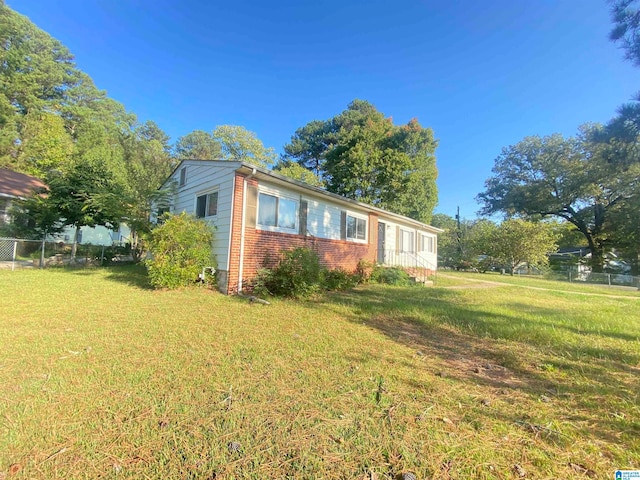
<point x="323" y="219"/>
<point x="394" y="254"/>
<point x="202" y="177"/>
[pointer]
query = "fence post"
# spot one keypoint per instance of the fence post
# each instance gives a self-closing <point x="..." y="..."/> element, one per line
<point x="569" y="276"/>
<point x="13" y="260"/>
<point x="609" y="278"/>
<point x="42" y="252"/>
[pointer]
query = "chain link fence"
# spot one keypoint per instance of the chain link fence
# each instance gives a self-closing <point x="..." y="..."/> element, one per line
<point x="16" y="253"/>
<point x="609" y="279"/>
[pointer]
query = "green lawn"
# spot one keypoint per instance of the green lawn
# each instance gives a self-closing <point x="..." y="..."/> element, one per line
<point x="102" y="377"/>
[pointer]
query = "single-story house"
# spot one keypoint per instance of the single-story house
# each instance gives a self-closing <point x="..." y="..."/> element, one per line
<point x="257" y="213"/>
<point x="14" y="186"/>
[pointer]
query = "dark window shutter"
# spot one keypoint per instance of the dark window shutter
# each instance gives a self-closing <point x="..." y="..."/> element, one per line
<point x="302" y="220"/>
<point x="343" y="225"/>
<point x="201" y="206"/>
<point x="251" y="206"/>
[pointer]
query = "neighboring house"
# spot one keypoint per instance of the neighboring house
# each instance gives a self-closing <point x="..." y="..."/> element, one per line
<point x="257" y="213"/>
<point x="15" y="186"/>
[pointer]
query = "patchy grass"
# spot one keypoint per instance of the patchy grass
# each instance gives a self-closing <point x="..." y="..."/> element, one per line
<point x="468" y="278"/>
<point x="100" y="376"/>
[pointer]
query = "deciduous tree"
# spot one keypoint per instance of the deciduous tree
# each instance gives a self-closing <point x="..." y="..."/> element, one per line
<point x="568" y="178"/>
<point x="362" y="155"/>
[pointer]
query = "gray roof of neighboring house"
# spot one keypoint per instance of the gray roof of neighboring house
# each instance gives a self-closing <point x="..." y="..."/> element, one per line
<point x="248" y="168"/>
<point x="18" y="185"/>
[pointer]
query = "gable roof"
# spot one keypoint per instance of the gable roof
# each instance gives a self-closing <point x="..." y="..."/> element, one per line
<point x="20" y="185"/>
<point x="260" y="172"/>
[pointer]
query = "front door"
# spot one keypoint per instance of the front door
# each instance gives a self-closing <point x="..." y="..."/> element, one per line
<point x="382" y="230"/>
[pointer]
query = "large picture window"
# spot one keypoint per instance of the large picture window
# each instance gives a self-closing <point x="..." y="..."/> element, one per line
<point x="356" y="228"/>
<point x="207" y="205"/>
<point x="277" y="212"/>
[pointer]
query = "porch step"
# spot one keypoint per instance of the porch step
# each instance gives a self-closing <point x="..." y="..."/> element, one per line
<point x="426" y="283"/>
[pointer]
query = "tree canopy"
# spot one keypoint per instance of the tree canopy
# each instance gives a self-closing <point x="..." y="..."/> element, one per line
<point x="574" y="178"/>
<point x="626" y="30"/>
<point x="362" y="155"/>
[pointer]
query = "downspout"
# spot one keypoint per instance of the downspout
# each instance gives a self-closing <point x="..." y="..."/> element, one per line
<point x="242" y="228"/>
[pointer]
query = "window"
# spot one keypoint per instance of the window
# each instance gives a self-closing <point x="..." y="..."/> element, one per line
<point x="407" y="242"/>
<point x="183" y="176"/>
<point x="207" y="205"/>
<point x="427" y="243"/>
<point x="356" y="228"/>
<point x="277" y="212"/>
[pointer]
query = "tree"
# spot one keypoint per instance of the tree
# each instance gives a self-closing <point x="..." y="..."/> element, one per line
<point x="148" y="164"/>
<point x="626" y="30"/>
<point x="298" y="172"/>
<point x="198" y="145"/>
<point x="362" y="155"/>
<point x="238" y="143"/>
<point x="34" y="218"/>
<point x="516" y="241"/>
<point x="567" y="178"/>
<point x="45" y="144"/>
<point x="88" y="194"/>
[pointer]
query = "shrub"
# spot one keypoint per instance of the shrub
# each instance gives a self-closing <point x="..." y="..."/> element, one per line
<point x="338" y="279"/>
<point x="391" y="276"/>
<point x="179" y="248"/>
<point x="364" y="271"/>
<point x="296" y="275"/>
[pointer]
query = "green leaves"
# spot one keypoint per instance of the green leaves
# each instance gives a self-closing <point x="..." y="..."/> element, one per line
<point x="360" y="154"/>
<point x="578" y="179"/>
<point x="181" y="247"/>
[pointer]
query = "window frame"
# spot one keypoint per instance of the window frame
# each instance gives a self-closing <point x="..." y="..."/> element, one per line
<point x="183" y="177"/>
<point x="427" y="243"/>
<point x="277" y="227"/>
<point x="357" y="218"/>
<point x="412" y="241"/>
<point x="207" y="204"/>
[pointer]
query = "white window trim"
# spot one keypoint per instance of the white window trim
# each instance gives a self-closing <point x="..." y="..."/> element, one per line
<point x="180" y="182"/>
<point x="366" y="227"/>
<point x="278" y="195"/>
<point x="413" y="243"/>
<point x="426" y="239"/>
<point x="209" y="191"/>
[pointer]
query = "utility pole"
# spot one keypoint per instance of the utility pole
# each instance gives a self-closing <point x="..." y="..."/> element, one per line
<point x="459" y="235"/>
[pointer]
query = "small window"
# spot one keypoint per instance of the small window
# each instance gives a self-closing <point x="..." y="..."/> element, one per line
<point x="356" y="228"/>
<point x="183" y="176"/>
<point x="407" y="242"/>
<point x="277" y="212"/>
<point x="427" y="243"/>
<point x="207" y="205"/>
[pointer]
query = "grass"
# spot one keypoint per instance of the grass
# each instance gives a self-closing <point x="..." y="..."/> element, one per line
<point x="448" y="278"/>
<point x="102" y="377"/>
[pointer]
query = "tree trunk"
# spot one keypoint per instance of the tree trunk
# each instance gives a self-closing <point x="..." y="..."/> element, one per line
<point x="597" y="257"/>
<point x="74" y="247"/>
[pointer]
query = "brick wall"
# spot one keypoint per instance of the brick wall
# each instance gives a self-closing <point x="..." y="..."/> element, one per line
<point x="262" y="248"/>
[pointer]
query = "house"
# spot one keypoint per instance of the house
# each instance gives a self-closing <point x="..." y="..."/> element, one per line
<point x="15" y="186"/>
<point x="257" y="213"/>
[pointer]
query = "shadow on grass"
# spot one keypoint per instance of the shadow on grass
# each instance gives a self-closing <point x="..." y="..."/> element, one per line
<point x="474" y="344"/>
<point x="132" y="275"/>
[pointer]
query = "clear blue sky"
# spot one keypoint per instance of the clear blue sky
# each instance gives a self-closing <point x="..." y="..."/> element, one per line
<point x="483" y="75"/>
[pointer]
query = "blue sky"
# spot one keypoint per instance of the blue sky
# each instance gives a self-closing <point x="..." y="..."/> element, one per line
<point x="483" y="75"/>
